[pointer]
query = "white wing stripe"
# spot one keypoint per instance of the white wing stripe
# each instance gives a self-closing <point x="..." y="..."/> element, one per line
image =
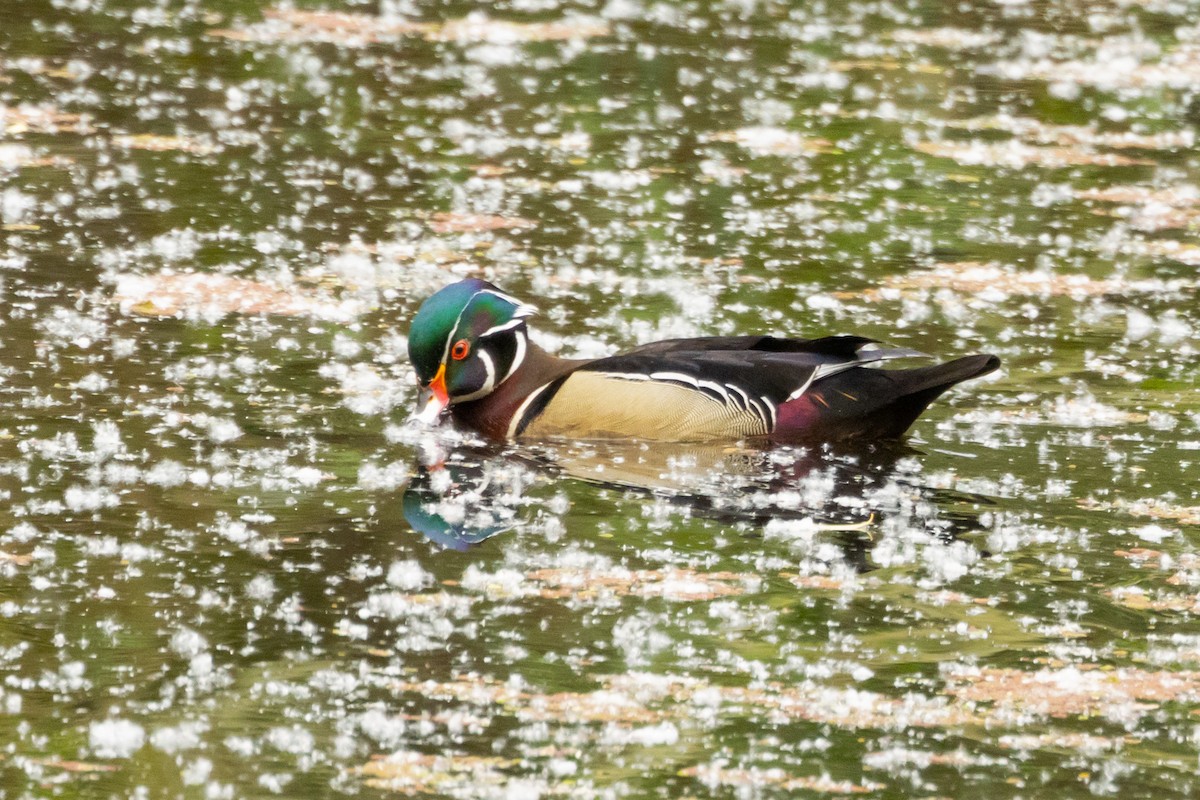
<point x="721" y="390"/>
<point x="804" y="387"/>
<point x="744" y="398"/>
<point x="732" y="395"/>
<point x="488" y="385"/>
<point x="774" y="418"/>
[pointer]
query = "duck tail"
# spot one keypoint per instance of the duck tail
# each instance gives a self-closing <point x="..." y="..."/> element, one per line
<point x="871" y="404"/>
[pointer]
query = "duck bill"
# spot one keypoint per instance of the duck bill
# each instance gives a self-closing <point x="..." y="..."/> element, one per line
<point x="433" y="399"/>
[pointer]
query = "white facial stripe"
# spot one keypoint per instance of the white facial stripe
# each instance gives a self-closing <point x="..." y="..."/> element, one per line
<point x="504" y="326"/>
<point x="518" y="356"/>
<point x="488" y="385"/>
<point x="489" y="365"/>
<point x="454" y="327"/>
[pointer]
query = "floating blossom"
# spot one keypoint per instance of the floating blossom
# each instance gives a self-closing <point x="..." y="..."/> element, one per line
<point x="206" y="296"/>
<point x="647" y="699"/>
<point x="1152" y="209"/>
<point x="40" y="119"/>
<point x="1017" y="155"/>
<point x="1085" y="743"/>
<point x="957" y="39"/>
<point x="285" y="25"/>
<point x="1073" y="690"/>
<point x="991" y="281"/>
<point x="452" y="222"/>
<point x="288" y="25"/>
<point x="1181" y="252"/>
<point x="365" y="390"/>
<point x="1083" y="411"/>
<point x="479" y="27"/>
<point x="680" y="585"/>
<point x="15" y="156"/>
<point x="768" y="141"/>
<point x="713" y="776"/>
<point x="1074" y="136"/>
<point x="116" y="738"/>
<point x="412" y="773"/>
<point x="1139" y="599"/>
<point x="1154" y="508"/>
<point x="1153" y="217"/>
<point x="1174" y="196"/>
<point x="160" y="144"/>
<point x="885" y="65"/>
<point x="1116" y="64"/>
<point x="821" y="582"/>
<point x="74" y="766"/>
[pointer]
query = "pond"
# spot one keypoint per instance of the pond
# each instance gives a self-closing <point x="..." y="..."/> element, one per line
<point x="231" y="569"/>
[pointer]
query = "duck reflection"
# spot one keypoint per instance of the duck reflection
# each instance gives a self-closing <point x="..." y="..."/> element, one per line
<point x="462" y="496"/>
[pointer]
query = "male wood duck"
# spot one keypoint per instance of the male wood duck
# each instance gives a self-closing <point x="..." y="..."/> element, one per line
<point x="471" y="350"/>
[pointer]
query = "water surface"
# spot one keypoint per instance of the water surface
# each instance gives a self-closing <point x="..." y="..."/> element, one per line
<point x="229" y="570"/>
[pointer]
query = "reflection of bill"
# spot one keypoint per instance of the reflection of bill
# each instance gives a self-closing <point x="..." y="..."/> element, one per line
<point x="431" y="517"/>
<point x="458" y="498"/>
<point x="467" y="494"/>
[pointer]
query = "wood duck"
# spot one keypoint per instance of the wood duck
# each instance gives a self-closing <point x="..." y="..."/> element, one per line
<point x="470" y="347"/>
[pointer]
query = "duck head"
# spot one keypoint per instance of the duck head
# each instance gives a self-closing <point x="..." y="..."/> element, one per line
<point x="465" y="340"/>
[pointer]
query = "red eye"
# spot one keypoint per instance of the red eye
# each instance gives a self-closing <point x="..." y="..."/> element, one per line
<point x="460" y="349"/>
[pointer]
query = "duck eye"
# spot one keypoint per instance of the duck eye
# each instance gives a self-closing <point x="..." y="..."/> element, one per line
<point x="460" y="349"/>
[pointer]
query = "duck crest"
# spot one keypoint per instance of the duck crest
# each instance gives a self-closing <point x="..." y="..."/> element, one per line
<point x="469" y="309"/>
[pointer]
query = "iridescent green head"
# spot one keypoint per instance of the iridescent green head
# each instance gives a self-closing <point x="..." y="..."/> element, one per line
<point x="465" y="341"/>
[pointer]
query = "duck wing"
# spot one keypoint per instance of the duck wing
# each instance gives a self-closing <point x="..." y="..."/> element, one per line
<point x="693" y="389"/>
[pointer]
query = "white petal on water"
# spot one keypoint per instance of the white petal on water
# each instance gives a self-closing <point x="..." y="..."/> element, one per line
<point x="115" y="738"/>
<point x="1155" y="534"/>
<point x="408" y="575"/>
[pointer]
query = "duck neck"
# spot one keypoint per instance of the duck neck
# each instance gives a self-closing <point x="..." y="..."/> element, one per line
<point x="491" y="415"/>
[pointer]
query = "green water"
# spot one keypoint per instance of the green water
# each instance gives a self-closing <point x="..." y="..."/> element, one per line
<point x="228" y="569"/>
